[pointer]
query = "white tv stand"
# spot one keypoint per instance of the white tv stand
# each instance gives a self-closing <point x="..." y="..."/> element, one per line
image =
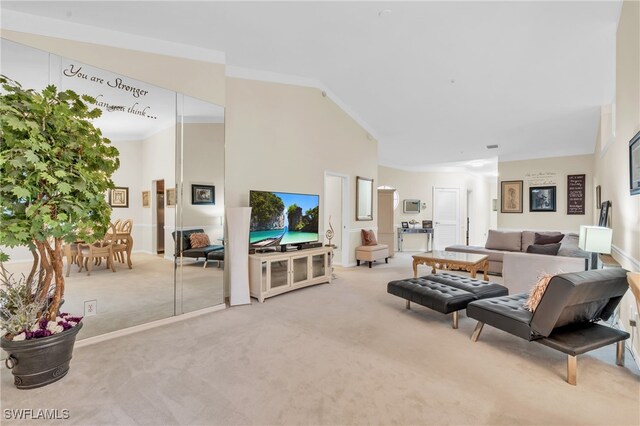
<point x="275" y="273"/>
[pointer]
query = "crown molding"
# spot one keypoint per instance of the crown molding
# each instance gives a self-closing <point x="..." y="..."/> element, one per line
<point x="49" y="27"/>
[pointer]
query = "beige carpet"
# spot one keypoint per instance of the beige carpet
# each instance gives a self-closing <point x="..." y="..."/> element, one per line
<point x="345" y="353"/>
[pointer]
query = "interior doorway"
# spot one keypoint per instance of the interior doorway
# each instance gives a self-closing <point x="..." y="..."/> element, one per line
<point x="335" y="214"/>
<point x="159" y="216"/>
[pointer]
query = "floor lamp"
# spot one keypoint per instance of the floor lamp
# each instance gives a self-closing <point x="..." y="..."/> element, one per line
<point x="596" y="239"/>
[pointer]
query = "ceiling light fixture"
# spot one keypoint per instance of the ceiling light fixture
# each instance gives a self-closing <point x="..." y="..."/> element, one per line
<point x="492" y="146"/>
<point x="384" y="12"/>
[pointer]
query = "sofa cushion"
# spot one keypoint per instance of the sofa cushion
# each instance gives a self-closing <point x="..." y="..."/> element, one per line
<point x="549" y="249"/>
<point x="536" y="292"/>
<point x="199" y="240"/>
<point x="368" y="238"/>
<point x="504" y="240"/>
<point x="570" y="247"/>
<point x="547" y="239"/>
<point x="529" y="237"/>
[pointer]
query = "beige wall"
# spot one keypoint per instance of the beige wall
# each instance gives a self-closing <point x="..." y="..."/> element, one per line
<point x="419" y="185"/>
<point x="612" y="160"/>
<point x="283" y="138"/>
<point x="548" y="172"/>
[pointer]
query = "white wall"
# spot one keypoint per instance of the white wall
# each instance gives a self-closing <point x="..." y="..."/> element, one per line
<point x="419" y="185"/>
<point x="548" y="172"/>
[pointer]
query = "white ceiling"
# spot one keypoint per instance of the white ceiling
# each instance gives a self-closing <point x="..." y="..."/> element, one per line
<point x="434" y="82"/>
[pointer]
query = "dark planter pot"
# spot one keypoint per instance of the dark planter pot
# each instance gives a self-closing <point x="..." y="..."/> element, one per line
<point x="38" y="362"/>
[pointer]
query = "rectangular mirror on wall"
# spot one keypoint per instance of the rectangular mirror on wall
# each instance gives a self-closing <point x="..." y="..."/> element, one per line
<point x="168" y="144"/>
<point x="364" y="198"/>
<point x="200" y="136"/>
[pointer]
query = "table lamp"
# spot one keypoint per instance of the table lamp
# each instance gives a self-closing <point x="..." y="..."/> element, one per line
<point x="596" y="239"/>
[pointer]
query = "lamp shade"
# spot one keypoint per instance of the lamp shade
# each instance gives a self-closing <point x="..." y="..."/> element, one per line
<point x="595" y="239"/>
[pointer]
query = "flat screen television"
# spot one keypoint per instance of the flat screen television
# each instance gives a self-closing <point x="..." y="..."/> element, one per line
<point x="281" y="218"/>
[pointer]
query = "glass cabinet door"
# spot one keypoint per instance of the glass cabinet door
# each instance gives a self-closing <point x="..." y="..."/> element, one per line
<point x="279" y="273"/>
<point x="319" y="262"/>
<point x="300" y="269"/>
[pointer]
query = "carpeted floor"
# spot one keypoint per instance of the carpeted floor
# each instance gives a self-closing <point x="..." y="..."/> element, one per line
<point x="345" y="353"/>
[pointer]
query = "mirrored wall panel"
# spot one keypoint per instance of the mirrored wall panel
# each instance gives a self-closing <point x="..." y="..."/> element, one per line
<point x="167" y="206"/>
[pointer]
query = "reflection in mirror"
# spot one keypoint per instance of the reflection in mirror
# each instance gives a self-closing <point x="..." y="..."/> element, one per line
<point x="364" y="198"/>
<point x="139" y="119"/>
<point x="201" y="144"/>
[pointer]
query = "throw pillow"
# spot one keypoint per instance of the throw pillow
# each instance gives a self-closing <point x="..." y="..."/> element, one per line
<point x="547" y="238"/>
<point x="550" y="249"/>
<point x="537" y="291"/>
<point x="199" y="240"/>
<point x="368" y="238"/>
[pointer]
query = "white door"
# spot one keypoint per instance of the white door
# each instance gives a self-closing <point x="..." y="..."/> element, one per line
<point x="446" y="217"/>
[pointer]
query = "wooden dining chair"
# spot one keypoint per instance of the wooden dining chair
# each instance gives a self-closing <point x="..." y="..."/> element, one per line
<point x="91" y="253"/>
<point x="633" y="278"/>
<point x="71" y="252"/>
<point x="118" y="225"/>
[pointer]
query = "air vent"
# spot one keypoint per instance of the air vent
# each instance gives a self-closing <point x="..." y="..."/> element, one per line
<point x="492" y="146"/>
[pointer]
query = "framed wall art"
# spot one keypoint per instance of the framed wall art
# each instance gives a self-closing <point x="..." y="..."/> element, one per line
<point x="171" y="197"/>
<point x="542" y="199"/>
<point x="119" y="197"/>
<point x="634" y="164"/>
<point x="146" y="198"/>
<point x="203" y="194"/>
<point x="511" y="196"/>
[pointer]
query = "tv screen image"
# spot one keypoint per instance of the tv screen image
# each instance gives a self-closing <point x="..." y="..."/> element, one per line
<point x="279" y="218"/>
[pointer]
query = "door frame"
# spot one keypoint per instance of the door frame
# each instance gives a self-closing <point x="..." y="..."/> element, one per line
<point x="346" y="224"/>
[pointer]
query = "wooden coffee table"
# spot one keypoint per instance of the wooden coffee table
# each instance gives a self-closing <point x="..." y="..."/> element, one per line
<point x="452" y="260"/>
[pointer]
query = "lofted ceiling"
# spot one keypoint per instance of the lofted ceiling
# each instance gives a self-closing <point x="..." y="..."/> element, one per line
<point x="434" y="82"/>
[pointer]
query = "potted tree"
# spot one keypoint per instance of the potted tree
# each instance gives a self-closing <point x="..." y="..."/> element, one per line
<point x="55" y="167"/>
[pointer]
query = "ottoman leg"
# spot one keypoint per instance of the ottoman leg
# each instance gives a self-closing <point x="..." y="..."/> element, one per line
<point x="357" y="263"/>
<point x="386" y="260"/>
<point x="454" y="319"/>
<point x="408" y="306"/>
<point x="370" y="262"/>
<point x="477" y="331"/>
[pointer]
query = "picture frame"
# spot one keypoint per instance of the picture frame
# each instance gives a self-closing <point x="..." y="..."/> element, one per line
<point x="604" y="213"/>
<point x="427" y="224"/>
<point x="405" y="225"/>
<point x="146" y="198"/>
<point x="203" y="194"/>
<point x="119" y="197"/>
<point x="542" y="199"/>
<point x="511" y="196"/>
<point x="170" y="200"/>
<point x="634" y="165"/>
<point x="411" y="206"/>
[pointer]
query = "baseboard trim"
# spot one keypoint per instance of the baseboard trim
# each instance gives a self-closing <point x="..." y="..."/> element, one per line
<point x="626" y="260"/>
<point x="147" y="326"/>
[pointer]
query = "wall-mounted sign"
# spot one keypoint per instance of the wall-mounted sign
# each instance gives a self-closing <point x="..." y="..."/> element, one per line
<point x="575" y="194"/>
<point x="541" y="178"/>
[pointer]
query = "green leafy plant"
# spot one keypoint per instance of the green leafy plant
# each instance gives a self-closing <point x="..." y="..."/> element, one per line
<point x="55" y="167"/>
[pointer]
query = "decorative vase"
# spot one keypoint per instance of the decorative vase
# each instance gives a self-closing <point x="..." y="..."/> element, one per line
<point x="38" y="362"/>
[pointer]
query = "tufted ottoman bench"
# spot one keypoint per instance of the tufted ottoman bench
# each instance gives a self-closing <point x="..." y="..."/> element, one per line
<point x="445" y="292"/>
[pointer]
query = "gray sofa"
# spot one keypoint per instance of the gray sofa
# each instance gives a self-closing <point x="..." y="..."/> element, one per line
<point x="501" y="242"/>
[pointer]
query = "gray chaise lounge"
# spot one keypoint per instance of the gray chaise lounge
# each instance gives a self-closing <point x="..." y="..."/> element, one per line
<point x="566" y="317"/>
